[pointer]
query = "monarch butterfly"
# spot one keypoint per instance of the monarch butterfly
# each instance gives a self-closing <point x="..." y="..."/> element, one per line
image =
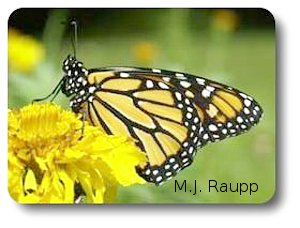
<point x="169" y="114"/>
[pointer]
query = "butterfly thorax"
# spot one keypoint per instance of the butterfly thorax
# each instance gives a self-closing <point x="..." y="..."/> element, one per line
<point x="75" y="83"/>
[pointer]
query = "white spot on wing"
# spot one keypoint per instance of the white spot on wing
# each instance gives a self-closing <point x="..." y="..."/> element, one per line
<point x="159" y="178"/>
<point x="243" y="95"/>
<point x="185" y="84"/>
<point x="246" y="111"/>
<point x="168" y="173"/>
<point x="183" y="154"/>
<point x="124" y="75"/>
<point x="90" y="99"/>
<point x="212" y="127"/>
<point x="156" y="71"/>
<point x="205" y="93"/>
<point x="247" y="102"/>
<point x="187" y="101"/>
<point x="172" y="160"/>
<point x="92" y="89"/>
<point x="189" y="115"/>
<point x="163" y="85"/>
<point x="201" y="129"/>
<point x="200" y="81"/>
<point x="179" y="75"/>
<point x="180" y="105"/>
<point x="189" y="109"/>
<point x="239" y="119"/>
<point x="176" y="166"/>
<point x="210" y="88"/>
<point x="149" y="84"/>
<point x="155" y="172"/>
<point x="250" y="98"/>
<point x="178" y="96"/>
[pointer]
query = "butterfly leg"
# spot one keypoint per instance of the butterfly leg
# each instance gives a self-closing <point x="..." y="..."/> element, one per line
<point x="83" y="119"/>
<point x="54" y="93"/>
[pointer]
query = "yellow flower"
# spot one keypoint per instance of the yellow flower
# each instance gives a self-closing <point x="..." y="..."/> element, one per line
<point x="144" y="52"/>
<point x="24" y="52"/>
<point x="51" y="160"/>
<point x="225" y="20"/>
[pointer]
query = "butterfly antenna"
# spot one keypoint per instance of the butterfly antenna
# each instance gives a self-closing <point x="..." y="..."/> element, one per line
<point x="74" y="28"/>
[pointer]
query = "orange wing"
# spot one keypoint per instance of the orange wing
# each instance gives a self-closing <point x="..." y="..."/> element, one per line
<point x="147" y="108"/>
<point x="168" y="113"/>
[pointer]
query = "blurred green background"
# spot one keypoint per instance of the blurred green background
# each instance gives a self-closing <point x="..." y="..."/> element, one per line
<point x="232" y="46"/>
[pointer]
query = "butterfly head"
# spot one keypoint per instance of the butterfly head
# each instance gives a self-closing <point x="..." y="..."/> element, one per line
<point x="75" y="75"/>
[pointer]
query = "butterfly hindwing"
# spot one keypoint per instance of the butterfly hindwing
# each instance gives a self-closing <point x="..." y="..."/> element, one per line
<point x="153" y="112"/>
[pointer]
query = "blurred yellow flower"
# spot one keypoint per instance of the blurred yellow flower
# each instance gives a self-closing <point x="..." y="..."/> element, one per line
<point x="225" y="20"/>
<point x="50" y="158"/>
<point x="144" y="52"/>
<point x="24" y="52"/>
